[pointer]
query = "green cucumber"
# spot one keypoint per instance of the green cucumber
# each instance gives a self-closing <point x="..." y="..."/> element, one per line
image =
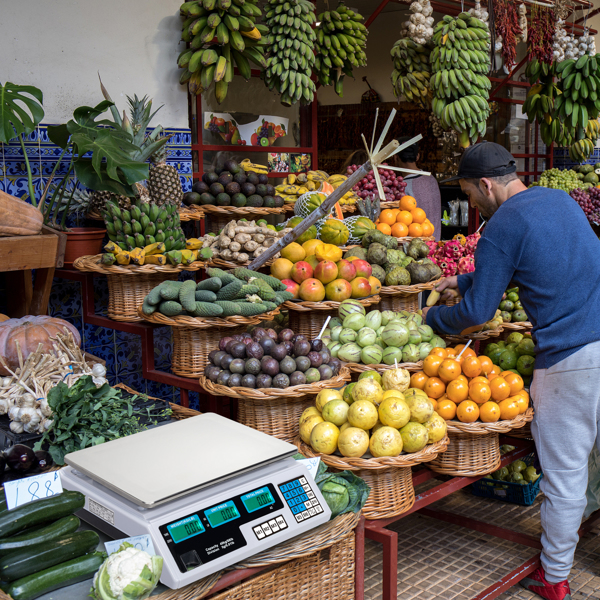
<point x="56" y="577"/>
<point x="27" y="561"/>
<point x="40" y="511"/>
<point x="33" y="537"/>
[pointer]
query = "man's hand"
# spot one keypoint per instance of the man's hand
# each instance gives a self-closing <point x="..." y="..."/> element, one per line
<point x="450" y="287"/>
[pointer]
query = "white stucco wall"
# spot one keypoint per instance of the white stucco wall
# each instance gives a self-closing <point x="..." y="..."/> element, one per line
<point x="61" y="45"/>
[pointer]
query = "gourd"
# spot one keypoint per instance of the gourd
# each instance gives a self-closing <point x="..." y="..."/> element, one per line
<point x="29" y="332"/>
<point x="18" y="217"/>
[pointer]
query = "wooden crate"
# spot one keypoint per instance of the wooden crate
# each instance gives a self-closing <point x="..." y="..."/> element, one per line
<point x="27" y="252"/>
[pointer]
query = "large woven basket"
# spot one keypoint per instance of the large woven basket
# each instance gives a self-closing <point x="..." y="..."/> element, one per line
<point x="308" y="318"/>
<point x="357" y="368"/>
<point x="390" y="478"/>
<point x="474" y="448"/>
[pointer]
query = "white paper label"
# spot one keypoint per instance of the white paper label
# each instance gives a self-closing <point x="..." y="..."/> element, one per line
<point x="312" y="464"/>
<point x="30" y="489"/>
<point x="141" y="542"/>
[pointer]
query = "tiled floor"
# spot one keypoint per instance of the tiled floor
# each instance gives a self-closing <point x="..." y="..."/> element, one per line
<point x="440" y="561"/>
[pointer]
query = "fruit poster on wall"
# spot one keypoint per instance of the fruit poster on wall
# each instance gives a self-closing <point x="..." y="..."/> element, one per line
<point x="300" y="163"/>
<point x="262" y="132"/>
<point x="278" y="163"/>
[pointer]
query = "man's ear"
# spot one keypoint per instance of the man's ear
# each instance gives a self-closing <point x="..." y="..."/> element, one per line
<point x="486" y="186"/>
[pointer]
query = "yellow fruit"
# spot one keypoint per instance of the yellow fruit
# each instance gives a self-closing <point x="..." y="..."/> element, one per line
<point x="308" y="425"/>
<point x="311" y="246"/>
<point x="392" y="394"/>
<point x="386" y="441"/>
<point x="324" y="438"/>
<point x="309" y="412"/>
<point x="396" y="379"/>
<point x="293" y="252"/>
<point x="325" y="396"/>
<point x="421" y="409"/>
<point x="329" y="252"/>
<point x="414" y="437"/>
<point x="336" y="412"/>
<point x="282" y="268"/>
<point x="362" y="414"/>
<point x="353" y="442"/>
<point x="375" y="285"/>
<point x="394" y="412"/>
<point x="345" y="426"/>
<point x="367" y="389"/>
<point x="436" y="428"/>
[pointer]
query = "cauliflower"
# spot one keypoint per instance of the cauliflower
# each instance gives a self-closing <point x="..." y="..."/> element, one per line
<point x="128" y="574"/>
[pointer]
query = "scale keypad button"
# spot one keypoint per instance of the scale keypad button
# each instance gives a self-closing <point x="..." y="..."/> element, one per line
<point x="266" y="529"/>
<point x="318" y="508"/>
<point x="312" y="512"/>
<point x="281" y="522"/>
<point x="306" y="488"/>
<point x="307" y="504"/>
<point x="260" y="534"/>
<point x="273" y="525"/>
<point x="299" y="517"/>
<point x="305" y="514"/>
<point x="310" y="494"/>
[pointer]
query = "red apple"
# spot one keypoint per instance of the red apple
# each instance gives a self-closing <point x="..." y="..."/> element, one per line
<point x="311" y="290"/>
<point x="360" y="287"/>
<point x="301" y="271"/>
<point x="346" y="270"/>
<point x="363" y="268"/>
<point x="326" y="271"/>
<point x="291" y="286"/>
<point x="338" y="290"/>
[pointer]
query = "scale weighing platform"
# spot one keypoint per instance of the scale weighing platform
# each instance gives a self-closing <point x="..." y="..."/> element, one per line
<point x="210" y="492"/>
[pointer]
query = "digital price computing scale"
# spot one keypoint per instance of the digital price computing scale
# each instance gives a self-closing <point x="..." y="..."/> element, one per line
<point x="209" y="491"/>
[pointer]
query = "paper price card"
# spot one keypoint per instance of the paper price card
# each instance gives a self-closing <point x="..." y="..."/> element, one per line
<point x="141" y="542"/>
<point x="30" y="489"/>
<point x="312" y="464"/>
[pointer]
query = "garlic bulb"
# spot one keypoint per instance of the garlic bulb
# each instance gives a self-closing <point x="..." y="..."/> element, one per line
<point x="16" y="427"/>
<point x="415" y="7"/>
<point x="419" y="27"/>
<point x="13" y="412"/>
<point x="6" y="381"/>
<point x="45" y="425"/>
<point x="26" y="400"/>
<point x="4" y="406"/>
<point x="28" y="414"/>
<point x="45" y="408"/>
<point x="523" y="22"/>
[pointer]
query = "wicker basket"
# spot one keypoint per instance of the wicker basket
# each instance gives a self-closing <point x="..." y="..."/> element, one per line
<point x="237" y="212"/>
<point x="408" y="302"/>
<point x="308" y="318"/>
<point x="357" y="368"/>
<point x="474" y="448"/>
<point x="191" y="213"/>
<point x="477" y="336"/>
<point x="390" y="478"/>
<point x="179" y="412"/>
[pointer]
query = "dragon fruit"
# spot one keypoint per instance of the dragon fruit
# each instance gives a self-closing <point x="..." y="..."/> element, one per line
<point x="453" y="250"/>
<point x="466" y="265"/>
<point x="471" y="243"/>
<point x="432" y="245"/>
<point x="448" y="267"/>
<point x="460" y="238"/>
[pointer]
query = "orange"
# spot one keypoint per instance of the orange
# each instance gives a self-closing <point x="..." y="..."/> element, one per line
<point x="467" y="411"/>
<point x="486" y="364"/>
<point x="418" y="380"/>
<point x="387" y="216"/>
<point x="404" y="217"/>
<point x="434" y="387"/>
<point x="418" y="215"/>
<point x="509" y="409"/>
<point x="524" y="394"/>
<point x="449" y="370"/>
<point x="462" y="378"/>
<point x="431" y="364"/>
<point x="441" y="352"/>
<point x="434" y="402"/>
<point x="428" y="228"/>
<point x="415" y="230"/>
<point x="515" y="381"/>
<point x="489" y="412"/>
<point x="399" y="230"/>
<point x="494" y="372"/>
<point x="457" y="391"/>
<point x="480" y="392"/>
<point x="451" y="353"/>
<point x="395" y="211"/>
<point x="500" y="388"/>
<point x="468" y="352"/>
<point x="384" y="228"/>
<point x="446" y="409"/>
<point x="521" y="401"/>
<point x="479" y="379"/>
<point x="408" y="203"/>
<point x="471" y="366"/>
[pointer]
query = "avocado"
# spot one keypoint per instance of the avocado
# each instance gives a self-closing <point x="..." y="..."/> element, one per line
<point x="253" y="178"/>
<point x="254" y="200"/>
<point x="270" y="190"/>
<point x="191" y="198"/>
<point x="585" y="169"/>
<point x="238" y="200"/>
<point x="279" y="202"/>
<point x="216" y="189"/>
<point x="263" y="178"/>
<point x="247" y="189"/>
<point x="240" y="177"/>
<point x="269" y="202"/>
<point x="200" y="187"/>
<point x="232" y="167"/>
<point x="207" y="198"/>
<point x="261" y="190"/>
<point x="223" y="199"/>
<point x="210" y="177"/>
<point x="233" y="188"/>
<point x="225" y="178"/>
<point x="591" y="178"/>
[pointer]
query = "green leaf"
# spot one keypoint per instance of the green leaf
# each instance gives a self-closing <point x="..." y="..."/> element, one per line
<point x="88" y="176"/>
<point x="14" y="119"/>
<point x="59" y="135"/>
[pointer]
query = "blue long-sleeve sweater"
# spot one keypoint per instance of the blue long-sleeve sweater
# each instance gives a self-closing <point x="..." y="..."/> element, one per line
<point x="539" y="240"/>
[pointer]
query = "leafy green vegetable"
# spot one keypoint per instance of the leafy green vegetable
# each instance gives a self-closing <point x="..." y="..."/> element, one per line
<point x="84" y="415"/>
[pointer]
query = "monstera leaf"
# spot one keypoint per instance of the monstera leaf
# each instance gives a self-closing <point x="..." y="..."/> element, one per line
<point x="14" y="119"/>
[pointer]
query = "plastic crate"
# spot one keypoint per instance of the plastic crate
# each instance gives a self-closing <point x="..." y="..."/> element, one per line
<point x="524" y="495"/>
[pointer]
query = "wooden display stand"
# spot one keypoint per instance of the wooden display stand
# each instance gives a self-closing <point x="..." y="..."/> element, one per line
<point x="20" y="256"/>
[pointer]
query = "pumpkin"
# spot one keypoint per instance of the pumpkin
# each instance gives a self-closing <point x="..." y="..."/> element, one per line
<point x="362" y="225"/>
<point x="29" y="332"/>
<point x="334" y="232"/>
<point x="18" y="217"/>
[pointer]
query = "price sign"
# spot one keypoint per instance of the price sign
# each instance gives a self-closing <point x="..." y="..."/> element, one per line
<point x="312" y="464"/>
<point x="141" y="542"/>
<point x="30" y="489"/>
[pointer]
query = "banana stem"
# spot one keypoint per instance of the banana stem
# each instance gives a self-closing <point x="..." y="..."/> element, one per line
<point x="66" y="211"/>
<point x="29" y="175"/>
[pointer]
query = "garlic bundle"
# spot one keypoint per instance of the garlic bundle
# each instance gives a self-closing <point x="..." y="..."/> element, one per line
<point x="479" y="12"/>
<point x="98" y="376"/>
<point x="560" y="43"/>
<point x="523" y="22"/>
<point x="26" y="414"/>
<point x="419" y="27"/>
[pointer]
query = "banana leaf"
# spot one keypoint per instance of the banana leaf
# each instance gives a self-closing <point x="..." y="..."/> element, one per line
<point x="14" y="119"/>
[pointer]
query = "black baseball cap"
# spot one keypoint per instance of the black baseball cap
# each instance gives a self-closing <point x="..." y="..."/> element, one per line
<point x="485" y="159"/>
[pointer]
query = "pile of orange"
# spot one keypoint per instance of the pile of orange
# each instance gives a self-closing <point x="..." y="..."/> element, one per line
<point x="470" y="387"/>
<point x="406" y="221"/>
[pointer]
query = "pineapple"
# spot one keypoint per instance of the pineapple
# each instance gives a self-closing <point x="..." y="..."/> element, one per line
<point x="163" y="182"/>
<point x="98" y="201"/>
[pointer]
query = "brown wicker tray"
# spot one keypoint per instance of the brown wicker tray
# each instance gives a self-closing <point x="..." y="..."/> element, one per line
<point x="385" y="462"/>
<point x="273" y="394"/>
<point x="228" y="264"/>
<point x="360" y="368"/>
<point x="406" y="290"/>
<point x="520" y="326"/>
<point x="401" y="240"/>
<point x="92" y="264"/>
<point x="191" y="213"/>
<point x="206" y="322"/>
<point x="479" y="428"/>
<point x="476" y="337"/>
<point x="305" y="306"/>
<point x="211" y="209"/>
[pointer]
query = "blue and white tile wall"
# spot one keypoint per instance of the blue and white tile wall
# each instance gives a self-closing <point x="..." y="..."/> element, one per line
<point x="562" y="160"/>
<point x="121" y="351"/>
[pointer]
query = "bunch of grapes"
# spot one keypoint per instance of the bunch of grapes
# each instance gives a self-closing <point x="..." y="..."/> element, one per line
<point x="556" y="179"/>
<point x="393" y="184"/>
<point x="213" y="128"/>
<point x="589" y="200"/>
<point x="264" y="132"/>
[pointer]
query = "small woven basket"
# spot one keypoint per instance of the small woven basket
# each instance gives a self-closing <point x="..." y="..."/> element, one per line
<point x="191" y="213"/>
<point x="357" y="368"/>
<point x="474" y="448"/>
<point x="237" y="212"/>
<point x="390" y="478"/>
<point x="410" y="303"/>
<point x="477" y="336"/>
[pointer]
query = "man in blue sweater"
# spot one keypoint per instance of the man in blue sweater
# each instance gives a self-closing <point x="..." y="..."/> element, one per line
<point x="539" y="239"/>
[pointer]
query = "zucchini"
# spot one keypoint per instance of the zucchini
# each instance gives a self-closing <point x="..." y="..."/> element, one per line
<point x="40" y="511"/>
<point x="35" y="536"/>
<point x="56" y="577"/>
<point x="22" y="563"/>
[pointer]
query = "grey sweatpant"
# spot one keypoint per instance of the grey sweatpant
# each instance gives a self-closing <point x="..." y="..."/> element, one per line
<point x="565" y="428"/>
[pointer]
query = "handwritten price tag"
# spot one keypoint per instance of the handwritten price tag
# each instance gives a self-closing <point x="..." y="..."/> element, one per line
<point x="312" y="464"/>
<point x="30" y="489"/>
<point x="141" y="542"/>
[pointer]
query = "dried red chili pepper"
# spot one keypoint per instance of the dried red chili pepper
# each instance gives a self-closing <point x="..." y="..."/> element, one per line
<point x="506" y="23"/>
<point x="541" y="33"/>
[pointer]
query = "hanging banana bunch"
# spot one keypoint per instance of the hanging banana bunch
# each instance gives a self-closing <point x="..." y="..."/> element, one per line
<point x="341" y="43"/>
<point x="411" y="75"/>
<point x="290" y="45"/>
<point x="221" y="34"/>
<point x="460" y="61"/>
